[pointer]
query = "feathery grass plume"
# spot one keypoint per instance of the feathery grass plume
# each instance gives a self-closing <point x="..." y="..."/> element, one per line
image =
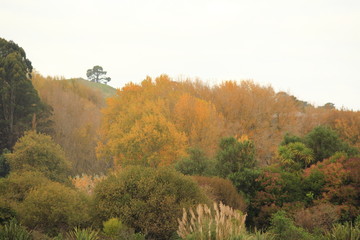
<point x="221" y="223"/>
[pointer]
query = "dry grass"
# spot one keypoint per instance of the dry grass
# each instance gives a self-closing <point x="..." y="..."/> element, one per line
<point x="221" y="222"/>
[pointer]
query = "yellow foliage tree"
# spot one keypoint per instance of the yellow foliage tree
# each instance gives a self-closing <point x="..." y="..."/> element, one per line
<point x="152" y="141"/>
<point x="136" y="130"/>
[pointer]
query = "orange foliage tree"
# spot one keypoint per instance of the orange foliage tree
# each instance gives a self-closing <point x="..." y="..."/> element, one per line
<point x="199" y="120"/>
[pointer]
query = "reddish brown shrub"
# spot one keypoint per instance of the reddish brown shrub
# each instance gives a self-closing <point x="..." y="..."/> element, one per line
<point x="219" y="189"/>
<point x="321" y="217"/>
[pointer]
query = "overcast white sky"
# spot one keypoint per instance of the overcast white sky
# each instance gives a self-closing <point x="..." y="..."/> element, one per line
<point x="309" y="48"/>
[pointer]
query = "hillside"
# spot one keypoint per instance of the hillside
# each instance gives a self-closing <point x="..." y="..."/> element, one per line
<point x="106" y="90"/>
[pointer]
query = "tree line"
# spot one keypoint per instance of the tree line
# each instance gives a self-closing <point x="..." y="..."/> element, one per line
<point x="133" y="165"/>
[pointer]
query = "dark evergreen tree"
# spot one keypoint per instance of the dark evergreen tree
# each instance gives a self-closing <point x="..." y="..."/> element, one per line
<point x="234" y="156"/>
<point x="20" y="105"/>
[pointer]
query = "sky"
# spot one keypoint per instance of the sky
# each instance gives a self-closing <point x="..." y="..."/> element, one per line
<point x="308" y="48"/>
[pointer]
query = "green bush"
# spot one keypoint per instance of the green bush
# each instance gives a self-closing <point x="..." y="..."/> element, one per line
<point x="234" y="155"/>
<point x="245" y="181"/>
<point x="146" y="199"/>
<point x="53" y="208"/>
<point x="38" y="152"/>
<point x="284" y="228"/>
<point x="197" y="163"/>
<point x="7" y="212"/>
<point x="18" y="184"/>
<point x="325" y="142"/>
<point x="115" y="229"/>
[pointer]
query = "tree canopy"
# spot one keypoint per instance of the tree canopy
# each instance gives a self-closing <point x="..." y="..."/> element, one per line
<point x="97" y="74"/>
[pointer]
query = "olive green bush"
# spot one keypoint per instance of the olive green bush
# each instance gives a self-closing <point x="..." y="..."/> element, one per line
<point x="147" y="199"/>
<point x="18" y="184"/>
<point x="52" y="208"/>
<point x="38" y="152"/>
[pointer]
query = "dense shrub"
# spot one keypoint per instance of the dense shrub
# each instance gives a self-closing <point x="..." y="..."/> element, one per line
<point x="245" y="181"/>
<point x="52" y="208"/>
<point x="38" y="152"/>
<point x="18" y="184"/>
<point x="234" y="155"/>
<point x="317" y="218"/>
<point x="196" y="163"/>
<point x="7" y="212"/>
<point x="146" y="199"/>
<point x="325" y="142"/>
<point x="221" y="190"/>
<point x="284" y="228"/>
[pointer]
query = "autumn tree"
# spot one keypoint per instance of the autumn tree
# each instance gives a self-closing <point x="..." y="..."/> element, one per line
<point x="347" y="124"/>
<point x="98" y="75"/>
<point x="152" y="141"/>
<point x="200" y="121"/>
<point x="21" y="108"/>
<point x="258" y="112"/>
<point x="137" y="129"/>
<point x="76" y="118"/>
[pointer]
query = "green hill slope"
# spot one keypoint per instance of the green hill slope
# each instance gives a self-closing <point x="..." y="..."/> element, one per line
<point x="106" y="90"/>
